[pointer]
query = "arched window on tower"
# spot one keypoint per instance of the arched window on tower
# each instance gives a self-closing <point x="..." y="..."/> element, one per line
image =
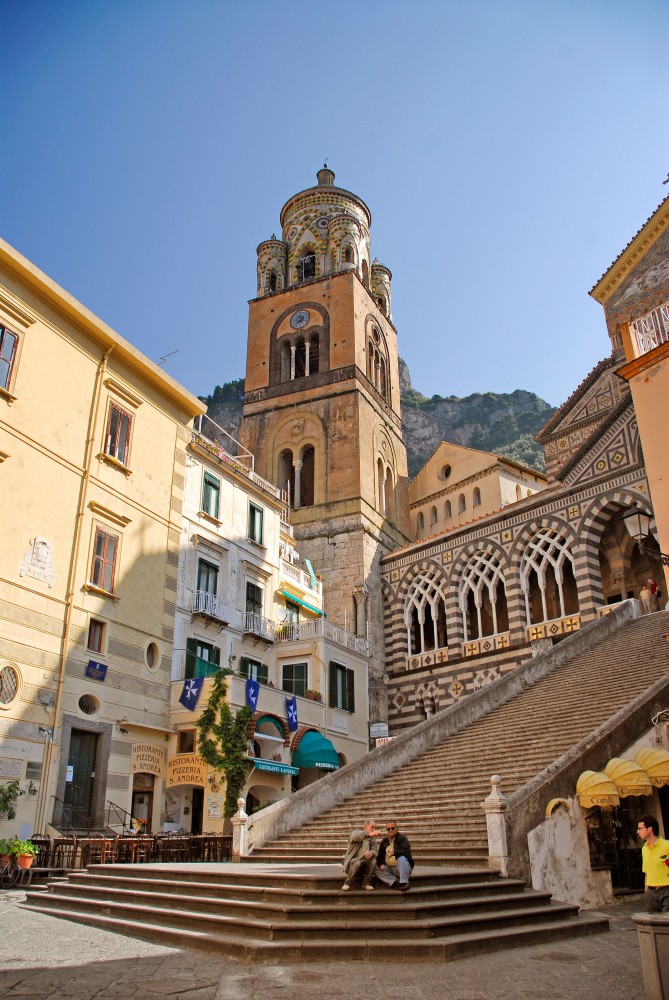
<point x="382" y="377"/>
<point x="307" y="476"/>
<point x="519" y="493"/>
<point x="447" y="509"/>
<point x="365" y="273"/>
<point x="390" y="494"/>
<point x="462" y="504"/>
<point x="433" y="517"/>
<point x="300" y="358"/>
<point x="476" y="498"/>
<point x="381" y="303"/>
<point x="285" y="358"/>
<point x="287" y="475"/>
<point x="306" y="266"/>
<point x="347" y="255"/>
<point x="380" y="487"/>
<point x="314" y="354"/>
<point x="272" y="281"/>
<point x="420" y="523"/>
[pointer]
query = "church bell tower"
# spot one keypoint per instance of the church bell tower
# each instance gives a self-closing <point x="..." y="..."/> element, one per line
<point x="322" y="405"/>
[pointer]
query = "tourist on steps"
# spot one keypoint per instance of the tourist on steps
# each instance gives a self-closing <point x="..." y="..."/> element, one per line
<point x="360" y="857"/>
<point x="655" y="864"/>
<point x="394" y="863"/>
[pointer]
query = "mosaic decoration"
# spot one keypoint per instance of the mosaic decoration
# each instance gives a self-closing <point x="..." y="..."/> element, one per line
<point x="550" y="630"/>
<point x="484" y="677"/>
<point x="616" y="450"/>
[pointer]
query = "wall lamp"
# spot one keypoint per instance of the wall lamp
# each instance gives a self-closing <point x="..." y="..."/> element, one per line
<point x="637" y="522"/>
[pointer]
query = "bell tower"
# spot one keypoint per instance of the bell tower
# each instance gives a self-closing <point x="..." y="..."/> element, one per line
<point x="322" y="406"/>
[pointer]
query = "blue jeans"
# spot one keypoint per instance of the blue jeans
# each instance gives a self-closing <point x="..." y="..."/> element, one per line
<point x="390" y="873"/>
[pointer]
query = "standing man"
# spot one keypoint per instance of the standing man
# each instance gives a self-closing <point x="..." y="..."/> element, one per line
<point x="394" y="861"/>
<point x="360" y="857"/>
<point x="655" y="858"/>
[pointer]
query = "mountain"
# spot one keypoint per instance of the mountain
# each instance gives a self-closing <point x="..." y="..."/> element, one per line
<point x="502" y="423"/>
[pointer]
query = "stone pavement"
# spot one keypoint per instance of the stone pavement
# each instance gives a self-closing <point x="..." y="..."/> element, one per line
<point x="44" y="958"/>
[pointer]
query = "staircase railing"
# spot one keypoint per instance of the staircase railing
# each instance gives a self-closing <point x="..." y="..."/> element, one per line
<point x="116" y="815"/>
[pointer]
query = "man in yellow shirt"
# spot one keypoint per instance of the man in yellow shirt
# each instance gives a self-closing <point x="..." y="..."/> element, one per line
<point x="655" y="864"/>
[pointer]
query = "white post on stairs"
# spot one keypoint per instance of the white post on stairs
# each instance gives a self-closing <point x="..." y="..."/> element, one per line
<point x="495" y="807"/>
<point x="239" y="821"/>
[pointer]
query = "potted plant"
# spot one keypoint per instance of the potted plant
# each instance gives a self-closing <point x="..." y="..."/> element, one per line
<point x="5" y="850"/>
<point x="24" y="851"/>
<point x="312" y="694"/>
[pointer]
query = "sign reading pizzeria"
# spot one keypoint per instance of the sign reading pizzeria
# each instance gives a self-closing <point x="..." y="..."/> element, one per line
<point x="147" y="758"/>
<point x="186" y="769"/>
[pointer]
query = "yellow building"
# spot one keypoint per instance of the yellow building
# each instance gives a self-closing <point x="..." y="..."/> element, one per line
<point x="459" y="484"/>
<point x="247" y="600"/>
<point x="635" y="294"/>
<point x="93" y="441"/>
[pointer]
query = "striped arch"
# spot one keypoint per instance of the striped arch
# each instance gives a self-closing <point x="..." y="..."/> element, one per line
<point x="546" y="547"/>
<point x="297" y="736"/>
<point x="394" y="632"/>
<point x="425" y="611"/>
<point x="281" y="723"/>
<point x="593" y="524"/>
<point x="492" y="552"/>
<point x="426" y="697"/>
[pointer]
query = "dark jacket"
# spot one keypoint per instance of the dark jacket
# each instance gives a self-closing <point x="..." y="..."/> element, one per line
<point x="402" y="849"/>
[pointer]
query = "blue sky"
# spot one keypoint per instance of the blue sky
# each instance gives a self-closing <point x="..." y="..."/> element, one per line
<point x="508" y="151"/>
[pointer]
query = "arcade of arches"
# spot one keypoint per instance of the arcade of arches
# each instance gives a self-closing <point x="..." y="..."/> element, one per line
<point x="467" y="605"/>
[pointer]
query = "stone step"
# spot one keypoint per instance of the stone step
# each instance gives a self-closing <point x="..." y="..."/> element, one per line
<point x="360" y="948"/>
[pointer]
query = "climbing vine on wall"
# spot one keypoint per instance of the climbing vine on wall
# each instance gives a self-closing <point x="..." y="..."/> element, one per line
<point x="222" y="738"/>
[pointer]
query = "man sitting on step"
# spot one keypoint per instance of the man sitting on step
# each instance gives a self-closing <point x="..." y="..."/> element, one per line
<point x="394" y="861"/>
<point x="360" y="857"/>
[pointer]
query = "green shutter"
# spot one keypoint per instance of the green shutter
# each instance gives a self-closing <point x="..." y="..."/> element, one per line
<point x="350" y="691"/>
<point x="332" y="694"/>
<point x="191" y="656"/>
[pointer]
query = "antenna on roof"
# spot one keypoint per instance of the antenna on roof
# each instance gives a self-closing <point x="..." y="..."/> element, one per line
<point x="161" y="363"/>
<point x="667" y="180"/>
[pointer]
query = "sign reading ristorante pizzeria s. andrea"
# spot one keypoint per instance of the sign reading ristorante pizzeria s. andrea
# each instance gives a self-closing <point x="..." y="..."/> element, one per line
<point x="147" y="758"/>
<point x="186" y="769"/>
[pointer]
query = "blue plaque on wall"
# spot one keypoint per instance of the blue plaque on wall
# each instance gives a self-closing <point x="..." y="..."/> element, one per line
<point x="96" y="671"/>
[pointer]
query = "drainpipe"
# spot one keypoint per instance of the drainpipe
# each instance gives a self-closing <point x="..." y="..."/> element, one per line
<point x="69" y="597"/>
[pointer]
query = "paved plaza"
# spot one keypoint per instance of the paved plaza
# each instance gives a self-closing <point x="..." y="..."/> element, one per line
<point x="44" y="958"/>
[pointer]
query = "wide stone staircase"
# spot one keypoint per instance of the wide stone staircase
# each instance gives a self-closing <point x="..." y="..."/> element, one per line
<point x="437" y="797"/>
<point x="299" y="913"/>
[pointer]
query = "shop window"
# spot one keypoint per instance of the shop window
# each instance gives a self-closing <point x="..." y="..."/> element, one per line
<point x="8" y="347"/>
<point x="117" y="438"/>
<point x="255" y="523"/>
<point x="202" y="659"/>
<point x="96" y="636"/>
<point x="211" y="491"/>
<point x="253" y="669"/>
<point x="342" y="687"/>
<point x="103" y="568"/>
<point x="294" y="678"/>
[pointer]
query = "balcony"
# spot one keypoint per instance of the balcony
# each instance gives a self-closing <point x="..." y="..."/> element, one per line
<point x="651" y="330"/>
<point x="320" y="628"/>
<point x="211" y="606"/>
<point x="297" y="577"/>
<point x="213" y="439"/>
<point x="258" y="627"/>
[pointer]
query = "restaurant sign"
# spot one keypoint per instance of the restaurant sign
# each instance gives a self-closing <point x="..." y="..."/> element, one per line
<point x="147" y="758"/>
<point x="186" y="769"/>
<point x="270" y="765"/>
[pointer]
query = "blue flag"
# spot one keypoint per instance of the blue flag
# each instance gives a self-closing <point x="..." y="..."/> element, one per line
<point x="252" y="692"/>
<point x="291" y="709"/>
<point x="191" y="692"/>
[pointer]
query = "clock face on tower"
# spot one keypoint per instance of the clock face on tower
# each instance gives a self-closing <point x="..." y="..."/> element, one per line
<point x="299" y="319"/>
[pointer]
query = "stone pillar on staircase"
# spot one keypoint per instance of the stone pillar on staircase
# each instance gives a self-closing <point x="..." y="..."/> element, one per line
<point x="239" y="821"/>
<point x="496" y="806"/>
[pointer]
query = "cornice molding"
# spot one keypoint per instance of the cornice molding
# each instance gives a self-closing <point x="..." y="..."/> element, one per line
<point x="612" y="279"/>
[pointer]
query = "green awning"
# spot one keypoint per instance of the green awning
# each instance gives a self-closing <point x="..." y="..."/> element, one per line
<point x="297" y="600"/>
<point x="315" y="750"/>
